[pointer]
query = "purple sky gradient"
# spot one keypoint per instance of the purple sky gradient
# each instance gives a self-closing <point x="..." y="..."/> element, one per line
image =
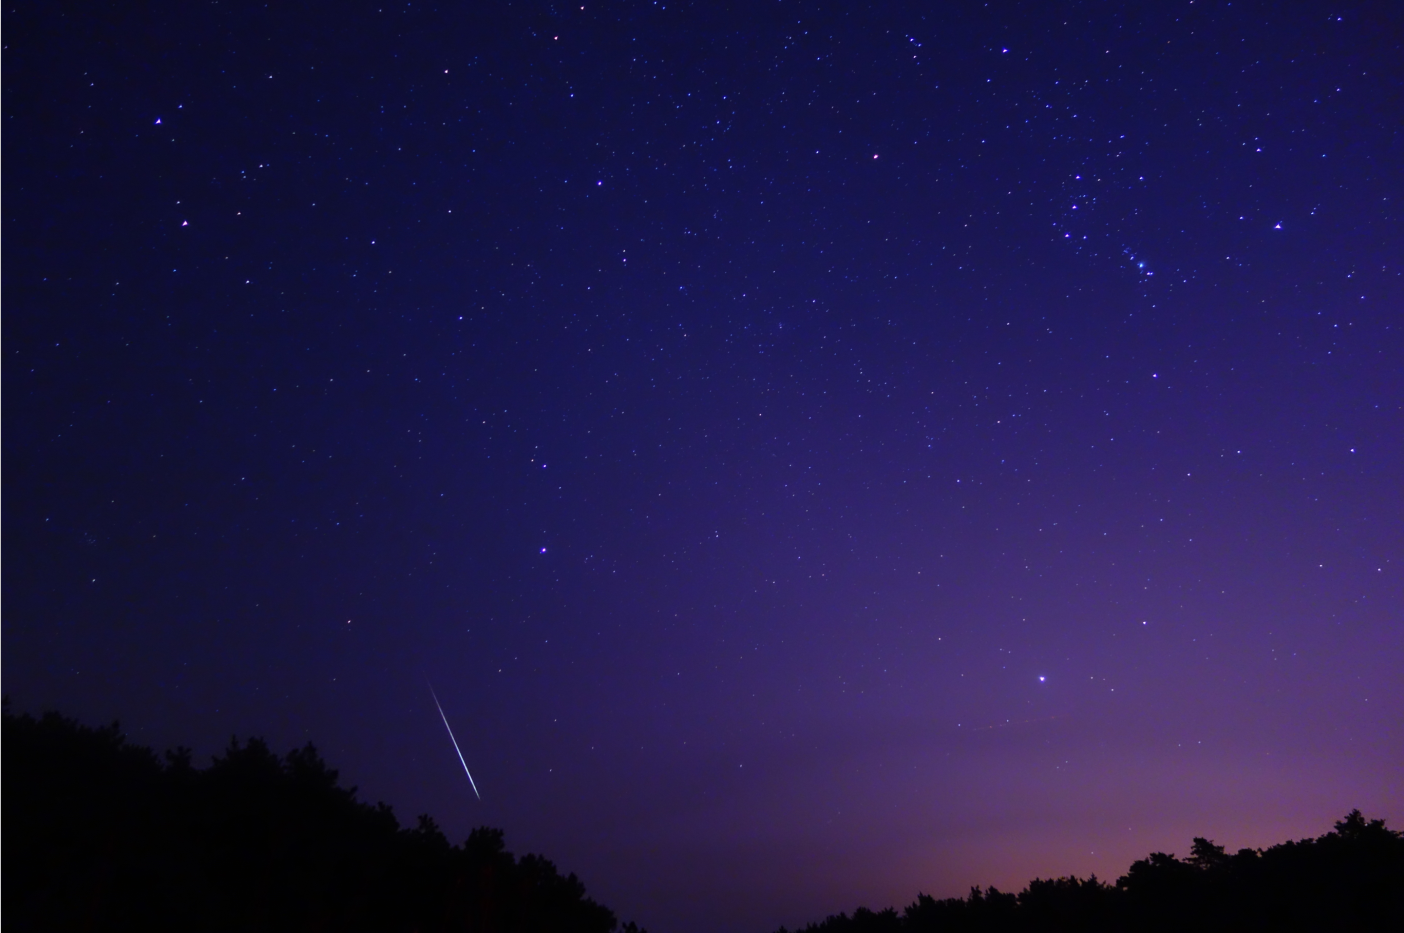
<point x="784" y="529"/>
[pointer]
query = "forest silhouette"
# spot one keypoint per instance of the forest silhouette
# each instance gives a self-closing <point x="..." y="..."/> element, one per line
<point x="100" y="834"/>
<point x="1350" y="879"/>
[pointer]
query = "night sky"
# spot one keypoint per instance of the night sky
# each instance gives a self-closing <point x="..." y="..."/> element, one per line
<point x="817" y="452"/>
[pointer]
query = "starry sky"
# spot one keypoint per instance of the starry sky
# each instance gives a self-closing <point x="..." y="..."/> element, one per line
<point x="818" y="452"/>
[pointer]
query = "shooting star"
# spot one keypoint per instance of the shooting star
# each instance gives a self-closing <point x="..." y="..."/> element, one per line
<point x="455" y="742"/>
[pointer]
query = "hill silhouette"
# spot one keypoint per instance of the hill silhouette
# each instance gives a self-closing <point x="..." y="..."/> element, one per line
<point x="1349" y="879"/>
<point x="100" y="834"/>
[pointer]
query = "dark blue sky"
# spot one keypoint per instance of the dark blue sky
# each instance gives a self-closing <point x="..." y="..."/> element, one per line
<point x="817" y="452"/>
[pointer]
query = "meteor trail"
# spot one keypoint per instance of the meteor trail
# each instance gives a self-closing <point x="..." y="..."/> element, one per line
<point x="455" y="743"/>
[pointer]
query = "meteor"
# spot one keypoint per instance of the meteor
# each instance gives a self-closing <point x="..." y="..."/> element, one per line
<point x="455" y="743"/>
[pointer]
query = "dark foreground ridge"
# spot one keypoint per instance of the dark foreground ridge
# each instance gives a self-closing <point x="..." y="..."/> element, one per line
<point x="103" y="835"/>
<point x="1351" y="879"/>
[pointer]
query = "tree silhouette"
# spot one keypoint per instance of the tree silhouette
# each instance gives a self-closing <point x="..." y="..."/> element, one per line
<point x="103" y="835"/>
<point x="1349" y="879"/>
